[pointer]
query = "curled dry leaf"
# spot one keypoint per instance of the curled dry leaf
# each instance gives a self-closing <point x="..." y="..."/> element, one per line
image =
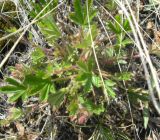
<point x="20" y="128"/>
<point x="155" y="48"/>
<point x="150" y="25"/>
<point x="81" y="117"/>
<point x="18" y="72"/>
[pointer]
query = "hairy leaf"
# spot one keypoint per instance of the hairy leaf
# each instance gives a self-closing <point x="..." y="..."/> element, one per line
<point x="56" y="99"/>
<point x="96" y="80"/>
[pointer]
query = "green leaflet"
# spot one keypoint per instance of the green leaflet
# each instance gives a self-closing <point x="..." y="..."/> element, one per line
<point x="109" y="84"/>
<point x="56" y="99"/>
<point x="44" y="92"/>
<point x="14" y="82"/>
<point x="138" y="94"/>
<point x="9" y="89"/>
<point x="124" y="76"/>
<point x="16" y="96"/>
<point x="73" y="107"/>
<point x="38" y="55"/>
<point x="79" y="15"/>
<point x="91" y="107"/>
<point x="96" y="81"/>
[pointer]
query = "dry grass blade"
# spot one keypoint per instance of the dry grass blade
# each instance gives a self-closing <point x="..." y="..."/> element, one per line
<point x="95" y="55"/>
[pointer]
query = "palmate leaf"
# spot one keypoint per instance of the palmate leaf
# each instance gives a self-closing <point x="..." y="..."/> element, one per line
<point x="84" y="43"/>
<point x="79" y="15"/>
<point x="35" y="89"/>
<point x="25" y="95"/>
<point x="74" y="18"/>
<point x="37" y="55"/>
<point x="49" y="71"/>
<point x="47" y="25"/>
<point x="40" y="86"/>
<point x="91" y="64"/>
<point x="86" y="79"/>
<point x="109" y="84"/>
<point x="32" y="84"/>
<point x="86" y="67"/>
<point x="92" y="14"/>
<point x="15" y="88"/>
<point x="117" y="26"/>
<point x="49" y="28"/>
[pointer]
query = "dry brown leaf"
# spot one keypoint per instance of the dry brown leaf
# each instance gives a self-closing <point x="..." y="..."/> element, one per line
<point x="81" y="117"/>
<point x="150" y="25"/>
<point x="20" y="129"/>
<point x="31" y="136"/>
<point x="155" y="48"/>
<point x="18" y="72"/>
